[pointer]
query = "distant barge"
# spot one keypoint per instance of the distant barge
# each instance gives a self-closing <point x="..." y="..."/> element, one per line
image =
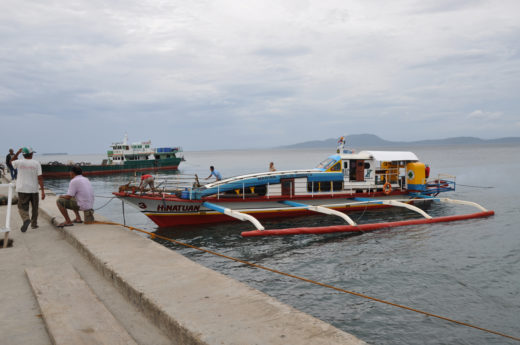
<point x="122" y="158"/>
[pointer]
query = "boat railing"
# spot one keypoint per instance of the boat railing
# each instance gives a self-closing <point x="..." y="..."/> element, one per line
<point x="188" y="186"/>
<point x="441" y="183"/>
<point x="179" y="182"/>
<point x="390" y="175"/>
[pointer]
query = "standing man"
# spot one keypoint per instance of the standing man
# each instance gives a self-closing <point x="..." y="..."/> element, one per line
<point x="27" y="186"/>
<point x="80" y="196"/>
<point x="8" y="160"/>
<point x="214" y="173"/>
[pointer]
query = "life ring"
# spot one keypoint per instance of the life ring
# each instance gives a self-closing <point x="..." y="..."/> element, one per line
<point x="387" y="188"/>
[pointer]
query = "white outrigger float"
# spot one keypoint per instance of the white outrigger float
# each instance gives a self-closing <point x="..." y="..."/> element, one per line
<point x="344" y="182"/>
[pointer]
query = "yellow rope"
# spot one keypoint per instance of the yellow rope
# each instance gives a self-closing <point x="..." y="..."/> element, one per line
<point x="152" y="235"/>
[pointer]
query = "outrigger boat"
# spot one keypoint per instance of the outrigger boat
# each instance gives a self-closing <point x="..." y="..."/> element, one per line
<point x="346" y="181"/>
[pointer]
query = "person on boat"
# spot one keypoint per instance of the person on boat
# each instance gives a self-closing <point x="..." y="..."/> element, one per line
<point x="146" y="180"/>
<point x="215" y="173"/>
<point x="271" y="167"/>
<point x="80" y="196"/>
<point x="196" y="184"/>
<point x="27" y="182"/>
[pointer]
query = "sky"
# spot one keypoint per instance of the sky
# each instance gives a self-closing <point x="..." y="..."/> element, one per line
<point x="76" y="75"/>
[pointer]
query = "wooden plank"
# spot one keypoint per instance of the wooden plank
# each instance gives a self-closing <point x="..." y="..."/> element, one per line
<point x="72" y="312"/>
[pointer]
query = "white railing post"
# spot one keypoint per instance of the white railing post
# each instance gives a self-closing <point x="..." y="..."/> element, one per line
<point x="7" y="228"/>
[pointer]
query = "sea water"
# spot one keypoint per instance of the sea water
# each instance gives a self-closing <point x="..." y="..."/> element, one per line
<point x="468" y="270"/>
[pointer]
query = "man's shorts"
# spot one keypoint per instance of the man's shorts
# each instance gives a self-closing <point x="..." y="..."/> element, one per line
<point x="148" y="182"/>
<point x="69" y="204"/>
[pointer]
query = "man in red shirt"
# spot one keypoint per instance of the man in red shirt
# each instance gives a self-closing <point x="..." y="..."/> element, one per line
<point x="146" y="180"/>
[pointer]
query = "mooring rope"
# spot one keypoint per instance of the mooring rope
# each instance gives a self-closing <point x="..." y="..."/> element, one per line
<point x="108" y="202"/>
<point x="481" y="187"/>
<point x="153" y="235"/>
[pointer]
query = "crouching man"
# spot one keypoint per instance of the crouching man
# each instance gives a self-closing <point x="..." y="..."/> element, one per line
<point x="80" y="196"/>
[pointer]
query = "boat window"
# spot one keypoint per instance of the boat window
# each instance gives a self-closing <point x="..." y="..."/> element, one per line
<point x="336" y="167"/>
<point x="327" y="163"/>
<point x="367" y="165"/>
<point x="324" y="186"/>
<point x="312" y="186"/>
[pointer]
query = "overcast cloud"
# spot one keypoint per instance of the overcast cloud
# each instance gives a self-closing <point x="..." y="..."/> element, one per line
<point x="77" y="74"/>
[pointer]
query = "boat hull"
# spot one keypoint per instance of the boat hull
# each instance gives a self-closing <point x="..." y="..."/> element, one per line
<point x="62" y="171"/>
<point x="173" y="211"/>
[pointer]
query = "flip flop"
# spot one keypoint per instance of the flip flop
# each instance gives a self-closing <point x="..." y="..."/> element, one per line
<point x="78" y="221"/>
<point x="64" y="224"/>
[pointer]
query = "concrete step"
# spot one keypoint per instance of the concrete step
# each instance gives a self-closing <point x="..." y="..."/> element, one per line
<point x="72" y="312"/>
<point x="189" y="303"/>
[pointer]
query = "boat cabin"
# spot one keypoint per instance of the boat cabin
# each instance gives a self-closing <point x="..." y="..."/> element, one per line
<point x="367" y="169"/>
<point x="122" y="152"/>
<point x="348" y="173"/>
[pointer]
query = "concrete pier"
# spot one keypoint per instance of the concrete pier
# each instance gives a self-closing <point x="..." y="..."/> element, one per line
<point x="149" y="294"/>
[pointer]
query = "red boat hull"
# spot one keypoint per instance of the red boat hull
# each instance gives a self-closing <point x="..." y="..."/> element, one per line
<point x="173" y="211"/>
<point x="96" y="170"/>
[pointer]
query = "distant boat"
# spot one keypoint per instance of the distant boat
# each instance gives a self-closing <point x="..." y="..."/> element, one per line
<point x="122" y="158"/>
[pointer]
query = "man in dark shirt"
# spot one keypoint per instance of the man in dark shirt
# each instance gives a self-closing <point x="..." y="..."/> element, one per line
<point x="12" y="170"/>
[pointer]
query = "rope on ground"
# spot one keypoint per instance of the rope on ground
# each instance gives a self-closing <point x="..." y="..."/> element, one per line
<point x="152" y="236"/>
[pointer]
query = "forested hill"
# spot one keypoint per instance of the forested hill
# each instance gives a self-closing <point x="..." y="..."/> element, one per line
<point x="370" y="140"/>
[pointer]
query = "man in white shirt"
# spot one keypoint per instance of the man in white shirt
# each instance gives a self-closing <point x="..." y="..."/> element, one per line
<point x="80" y="196"/>
<point x="29" y="177"/>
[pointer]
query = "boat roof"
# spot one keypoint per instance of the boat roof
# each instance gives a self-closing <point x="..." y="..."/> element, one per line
<point x="382" y="155"/>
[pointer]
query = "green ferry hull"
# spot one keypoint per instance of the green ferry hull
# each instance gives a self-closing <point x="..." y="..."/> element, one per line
<point x="153" y="165"/>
